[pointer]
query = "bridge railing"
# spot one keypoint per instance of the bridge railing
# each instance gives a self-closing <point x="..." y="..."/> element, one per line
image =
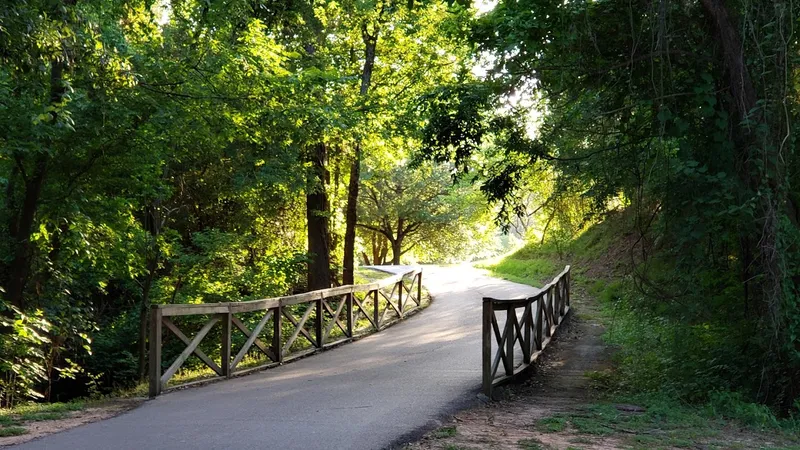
<point x="528" y="324"/>
<point x="281" y="329"/>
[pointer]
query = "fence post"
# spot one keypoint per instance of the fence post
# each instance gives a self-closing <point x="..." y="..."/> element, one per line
<point x="511" y="315"/>
<point x="376" y="311"/>
<point x="155" y="351"/>
<point x="318" y="324"/>
<point x="569" y="276"/>
<point x="419" y="288"/>
<point x="539" y="313"/>
<point x="349" y="307"/>
<point x="487" y="346"/>
<point x="400" y="297"/>
<point x="277" y="330"/>
<point x="527" y="323"/>
<point x="557" y="303"/>
<point x="225" y="354"/>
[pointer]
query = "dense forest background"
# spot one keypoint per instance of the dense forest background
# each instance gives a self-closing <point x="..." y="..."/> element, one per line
<point x="190" y="151"/>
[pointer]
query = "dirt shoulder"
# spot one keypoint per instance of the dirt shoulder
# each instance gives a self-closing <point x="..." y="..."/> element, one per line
<point x="42" y="421"/>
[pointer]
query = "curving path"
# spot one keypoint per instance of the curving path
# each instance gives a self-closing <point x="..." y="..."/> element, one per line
<point x="382" y="390"/>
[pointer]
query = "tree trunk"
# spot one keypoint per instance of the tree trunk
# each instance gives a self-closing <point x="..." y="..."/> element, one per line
<point x="351" y="216"/>
<point x="144" y="309"/>
<point x="21" y="226"/>
<point x="768" y="180"/>
<point x="397" y="251"/>
<point x="317" y="214"/>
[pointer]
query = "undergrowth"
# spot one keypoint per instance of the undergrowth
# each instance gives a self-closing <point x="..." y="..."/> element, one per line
<point x="12" y="420"/>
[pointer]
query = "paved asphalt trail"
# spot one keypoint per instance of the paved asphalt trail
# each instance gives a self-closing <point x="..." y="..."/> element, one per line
<point x="370" y="394"/>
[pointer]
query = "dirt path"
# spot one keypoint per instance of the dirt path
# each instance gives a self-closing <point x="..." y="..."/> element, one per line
<point x="558" y="384"/>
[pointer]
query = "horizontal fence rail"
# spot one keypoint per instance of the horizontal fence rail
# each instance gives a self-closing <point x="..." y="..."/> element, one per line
<point x="527" y="325"/>
<point x="279" y="329"/>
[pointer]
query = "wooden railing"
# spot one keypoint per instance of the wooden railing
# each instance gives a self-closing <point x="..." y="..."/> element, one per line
<point x="532" y="329"/>
<point x="321" y="318"/>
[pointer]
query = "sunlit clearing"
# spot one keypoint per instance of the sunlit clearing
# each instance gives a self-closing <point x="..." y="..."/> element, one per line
<point x="162" y="10"/>
<point x="485" y="6"/>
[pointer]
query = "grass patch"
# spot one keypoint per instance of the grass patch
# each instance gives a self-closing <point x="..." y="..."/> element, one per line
<point x="12" y="431"/>
<point x="363" y="275"/>
<point x="12" y="419"/>
<point x="444" y="432"/>
<point x="530" y="444"/>
<point x="39" y="416"/>
<point x="8" y="420"/>
<point x="516" y="268"/>
<point x="551" y="424"/>
<point x="660" y="422"/>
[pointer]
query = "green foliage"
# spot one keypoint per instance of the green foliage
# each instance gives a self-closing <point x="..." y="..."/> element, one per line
<point x="551" y="424"/>
<point x="421" y="213"/>
<point x="12" y="431"/>
<point x="530" y="444"/>
<point x="444" y="432"/>
<point x="157" y="155"/>
<point x="22" y="355"/>
<point x="519" y="269"/>
<point x="690" y="145"/>
<point x="660" y="420"/>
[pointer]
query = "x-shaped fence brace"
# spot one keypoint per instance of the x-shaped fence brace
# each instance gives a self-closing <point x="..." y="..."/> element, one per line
<point x="322" y="314"/>
<point x="541" y="315"/>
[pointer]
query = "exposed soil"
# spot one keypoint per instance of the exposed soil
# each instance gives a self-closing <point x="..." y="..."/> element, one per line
<point x="98" y="411"/>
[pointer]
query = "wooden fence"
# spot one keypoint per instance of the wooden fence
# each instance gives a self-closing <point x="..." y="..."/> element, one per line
<point x="532" y="329"/>
<point x="320" y="319"/>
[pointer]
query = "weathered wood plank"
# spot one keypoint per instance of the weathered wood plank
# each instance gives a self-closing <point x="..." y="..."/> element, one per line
<point x="376" y="310"/>
<point x="278" y="347"/>
<point x="511" y="318"/>
<point x="225" y="351"/>
<point x="527" y="327"/>
<point x="335" y="314"/>
<point x="350" y="319"/>
<point x="200" y="354"/>
<point x="534" y="330"/>
<point x="192" y="310"/>
<point x="318" y="321"/>
<point x="252" y="337"/>
<point x="293" y="321"/>
<point x="277" y="334"/>
<point x="155" y="351"/>
<point x="362" y="310"/>
<point x="335" y="321"/>
<point x="258" y="342"/>
<point x="298" y="329"/>
<point x="188" y="351"/>
<point x="419" y="288"/>
<point x="486" y="350"/>
<point x="300" y="298"/>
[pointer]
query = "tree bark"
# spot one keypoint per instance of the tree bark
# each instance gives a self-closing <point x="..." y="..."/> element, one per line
<point x="317" y="215"/>
<point x="397" y="251"/>
<point x="773" y="202"/>
<point x="153" y="223"/>
<point x="351" y="218"/>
